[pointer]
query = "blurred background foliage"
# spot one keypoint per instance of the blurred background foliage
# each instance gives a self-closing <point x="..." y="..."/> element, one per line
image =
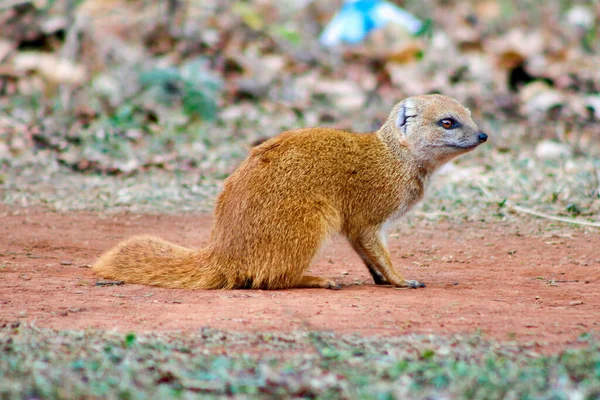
<point x="123" y="86"/>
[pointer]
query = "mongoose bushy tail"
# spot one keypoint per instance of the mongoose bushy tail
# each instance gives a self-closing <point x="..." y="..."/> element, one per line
<point x="297" y="189"/>
<point x="152" y="261"/>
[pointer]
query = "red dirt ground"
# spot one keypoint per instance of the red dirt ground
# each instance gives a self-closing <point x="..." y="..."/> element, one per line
<point x="512" y="281"/>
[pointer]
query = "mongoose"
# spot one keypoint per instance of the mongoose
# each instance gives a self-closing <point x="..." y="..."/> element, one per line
<point x="295" y="190"/>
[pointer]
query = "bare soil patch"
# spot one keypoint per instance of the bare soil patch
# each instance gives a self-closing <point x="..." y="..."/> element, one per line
<point x="528" y="282"/>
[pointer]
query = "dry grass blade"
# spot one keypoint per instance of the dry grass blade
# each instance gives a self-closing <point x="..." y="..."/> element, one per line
<point x="554" y="218"/>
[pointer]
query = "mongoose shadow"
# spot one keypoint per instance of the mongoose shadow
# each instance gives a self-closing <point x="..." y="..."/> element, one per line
<point x="297" y="189"/>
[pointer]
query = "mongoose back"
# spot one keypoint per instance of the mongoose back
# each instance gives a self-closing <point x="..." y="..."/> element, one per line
<point x="295" y="190"/>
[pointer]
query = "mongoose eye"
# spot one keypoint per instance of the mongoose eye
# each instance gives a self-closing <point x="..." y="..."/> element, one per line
<point x="448" y="123"/>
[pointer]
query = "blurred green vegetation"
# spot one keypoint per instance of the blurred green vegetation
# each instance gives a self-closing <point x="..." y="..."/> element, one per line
<point x="39" y="363"/>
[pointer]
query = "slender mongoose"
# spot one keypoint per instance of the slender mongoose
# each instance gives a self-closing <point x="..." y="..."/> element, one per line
<point x="297" y="189"/>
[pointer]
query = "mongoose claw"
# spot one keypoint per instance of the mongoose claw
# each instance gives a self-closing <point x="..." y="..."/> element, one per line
<point x="334" y="286"/>
<point x="415" y="284"/>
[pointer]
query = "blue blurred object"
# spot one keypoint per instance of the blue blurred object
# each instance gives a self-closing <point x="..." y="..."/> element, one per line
<point x="357" y="18"/>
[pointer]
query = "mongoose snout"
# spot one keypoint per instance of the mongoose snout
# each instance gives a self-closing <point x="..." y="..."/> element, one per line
<point x="482" y="137"/>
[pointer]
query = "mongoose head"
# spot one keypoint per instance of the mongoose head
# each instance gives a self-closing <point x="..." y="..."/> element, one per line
<point x="434" y="128"/>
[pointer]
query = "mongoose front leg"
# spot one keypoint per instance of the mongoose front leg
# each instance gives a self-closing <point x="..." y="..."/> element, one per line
<point x="377" y="277"/>
<point x="308" y="281"/>
<point x="369" y="245"/>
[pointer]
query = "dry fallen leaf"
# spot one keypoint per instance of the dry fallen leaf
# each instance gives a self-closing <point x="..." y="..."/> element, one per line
<point x="345" y="95"/>
<point x="550" y="150"/>
<point x="53" y="68"/>
<point x="537" y="98"/>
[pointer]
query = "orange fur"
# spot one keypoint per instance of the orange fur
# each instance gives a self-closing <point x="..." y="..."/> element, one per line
<point x="294" y="191"/>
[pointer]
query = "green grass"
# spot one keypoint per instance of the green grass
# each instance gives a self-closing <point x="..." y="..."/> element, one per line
<point x="40" y="363"/>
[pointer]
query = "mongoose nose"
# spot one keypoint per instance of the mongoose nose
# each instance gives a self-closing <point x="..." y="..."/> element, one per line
<point x="482" y="137"/>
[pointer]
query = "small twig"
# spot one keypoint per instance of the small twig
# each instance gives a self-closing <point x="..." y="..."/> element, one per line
<point x="552" y="217"/>
<point x="432" y="215"/>
<point x="596" y="177"/>
<point x="70" y="48"/>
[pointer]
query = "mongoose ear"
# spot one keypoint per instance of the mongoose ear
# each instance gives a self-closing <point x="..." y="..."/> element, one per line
<point x="405" y="113"/>
<point x="401" y="119"/>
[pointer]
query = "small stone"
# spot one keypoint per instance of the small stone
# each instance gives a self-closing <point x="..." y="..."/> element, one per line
<point x="110" y="283"/>
<point x="580" y="16"/>
<point x="576" y="303"/>
<point x="550" y="150"/>
<point x="66" y="262"/>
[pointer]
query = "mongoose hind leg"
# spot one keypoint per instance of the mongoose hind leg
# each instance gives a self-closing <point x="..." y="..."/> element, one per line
<point x="308" y="281"/>
<point x="369" y="245"/>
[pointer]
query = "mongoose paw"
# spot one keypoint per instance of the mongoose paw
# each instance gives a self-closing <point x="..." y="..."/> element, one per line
<point x="415" y="284"/>
<point x="334" y="286"/>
